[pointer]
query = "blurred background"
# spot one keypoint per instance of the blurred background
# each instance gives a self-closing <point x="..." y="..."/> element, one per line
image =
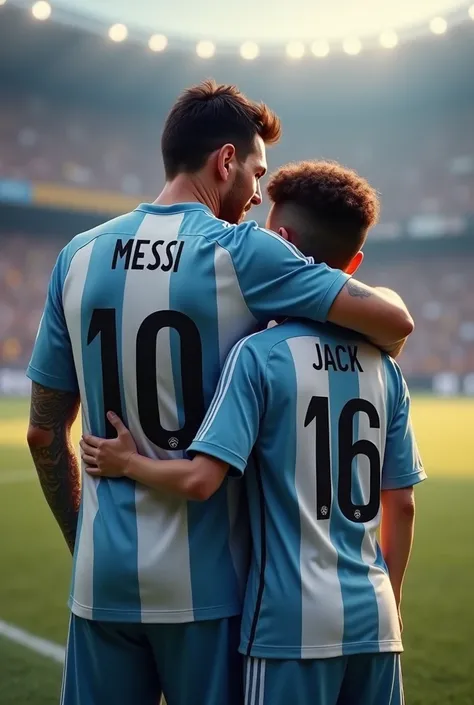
<point x="385" y="88"/>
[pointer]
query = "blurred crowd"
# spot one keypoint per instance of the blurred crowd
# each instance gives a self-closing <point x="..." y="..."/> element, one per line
<point x="78" y="148"/>
<point x="437" y="290"/>
<point x="439" y="293"/>
<point x="422" y="164"/>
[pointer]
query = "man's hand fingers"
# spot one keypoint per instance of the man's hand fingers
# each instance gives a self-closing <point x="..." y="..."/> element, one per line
<point x="89" y="459"/>
<point x="90" y="470"/>
<point x="87" y="448"/>
<point x="117" y="423"/>
<point x="91" y="440"/>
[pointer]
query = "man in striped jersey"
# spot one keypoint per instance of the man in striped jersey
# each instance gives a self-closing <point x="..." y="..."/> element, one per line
<point x="328" y="418"/>
<point x="140" y="315"/>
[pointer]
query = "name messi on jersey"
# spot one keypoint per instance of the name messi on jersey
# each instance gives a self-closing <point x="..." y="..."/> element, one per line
<point x="131" y="252"/>
<point x="341" y="358"/>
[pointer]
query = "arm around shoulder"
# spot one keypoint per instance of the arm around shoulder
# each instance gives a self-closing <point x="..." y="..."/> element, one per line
<point x="377" y="313"/>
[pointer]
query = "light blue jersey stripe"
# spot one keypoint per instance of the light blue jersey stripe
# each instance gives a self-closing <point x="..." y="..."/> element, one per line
<point x="265" y="495"/>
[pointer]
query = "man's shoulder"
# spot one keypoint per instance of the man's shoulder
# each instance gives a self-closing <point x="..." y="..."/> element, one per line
<point x="124" y="225"/>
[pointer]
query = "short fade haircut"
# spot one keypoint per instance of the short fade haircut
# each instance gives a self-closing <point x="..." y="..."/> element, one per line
<point x="207" y="116"/>
<point x="330" y="208"/>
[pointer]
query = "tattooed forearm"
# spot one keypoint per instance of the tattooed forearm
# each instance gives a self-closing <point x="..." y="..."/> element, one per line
<point x="52" y="414"/>
<point x="356" y="290"/>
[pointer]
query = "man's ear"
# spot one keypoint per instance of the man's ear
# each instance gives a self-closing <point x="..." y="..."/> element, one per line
<point x="225" y="159"/>
<point x="355" y="263"/>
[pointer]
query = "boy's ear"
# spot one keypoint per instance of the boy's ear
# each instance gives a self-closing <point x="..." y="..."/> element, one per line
<point x="355" y="263"/>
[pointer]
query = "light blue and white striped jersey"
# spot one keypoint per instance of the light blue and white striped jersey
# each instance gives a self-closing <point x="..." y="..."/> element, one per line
<point x="140" y="316"/>
<point x="328" y="418"/>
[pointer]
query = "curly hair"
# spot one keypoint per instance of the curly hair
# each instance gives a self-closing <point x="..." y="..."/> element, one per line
<point x="331" y="208"/>
<point x="208" y="115"/>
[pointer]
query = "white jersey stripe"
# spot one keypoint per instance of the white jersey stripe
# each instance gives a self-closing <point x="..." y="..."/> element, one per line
<point x="231" y="304"/>
<point x="72" y="302"/>
<point x="224" y="383"/>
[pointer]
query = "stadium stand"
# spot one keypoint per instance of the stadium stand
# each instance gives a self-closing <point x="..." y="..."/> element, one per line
<point x="431" y="156"/>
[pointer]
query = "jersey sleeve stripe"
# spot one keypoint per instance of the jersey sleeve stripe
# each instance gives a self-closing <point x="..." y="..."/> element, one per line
<point x="294" y="250"/>
<point x="222" y="387"/>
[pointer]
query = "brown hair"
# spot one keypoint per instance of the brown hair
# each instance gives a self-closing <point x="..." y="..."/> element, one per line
<point x="207" y="116"/>
<point x="330" y="208"/>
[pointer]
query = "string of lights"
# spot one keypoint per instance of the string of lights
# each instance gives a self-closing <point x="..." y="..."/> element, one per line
<point x="320" y="48"/>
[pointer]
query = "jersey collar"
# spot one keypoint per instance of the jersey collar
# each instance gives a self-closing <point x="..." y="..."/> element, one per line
<point x="155" y="209"/>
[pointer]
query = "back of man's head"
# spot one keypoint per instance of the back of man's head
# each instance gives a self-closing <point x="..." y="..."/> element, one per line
<point x="208" y="116"/>
<point x="325" y="208"/>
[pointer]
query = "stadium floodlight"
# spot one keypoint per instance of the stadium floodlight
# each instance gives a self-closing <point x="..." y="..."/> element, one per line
<point x="205" y="49"/>
<point x="438" y="25"/>
<point x="158" y="42"/>
<point x="471" y="12"/>
<point x="320" y="48"/>
<point x="118" y="32"/>
<point x="41" y="10"/>
<point x="388" y="39"/>
<point x="352" y="46"/>
<point x="249" y="51"/>
<point x="295" y="50"/>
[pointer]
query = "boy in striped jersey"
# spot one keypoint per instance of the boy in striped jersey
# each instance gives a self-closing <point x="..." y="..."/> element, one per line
<point x="327" y="416"/>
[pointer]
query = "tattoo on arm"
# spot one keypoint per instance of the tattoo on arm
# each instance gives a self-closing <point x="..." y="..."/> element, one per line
<point x="52" y="414"/>
<point x="356" y="290"/>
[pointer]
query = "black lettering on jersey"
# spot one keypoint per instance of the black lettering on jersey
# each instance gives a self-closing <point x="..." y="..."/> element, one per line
<point x="355" y="364"/>
<point x="342" y="359"/>
<point x="173" y="253"/>
<point x="340" y="364"/>
<point x="156" y="255"/>
<point x="177" y="255"/>
<point x="319" y="364"/>
<point x="138" y="254"/>
<point x="121" y="251"/>
<point x="133" y="251"/>
<point x="329" y="360"/>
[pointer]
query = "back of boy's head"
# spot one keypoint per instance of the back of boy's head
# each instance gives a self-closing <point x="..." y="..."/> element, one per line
<point x="326" y="208"/>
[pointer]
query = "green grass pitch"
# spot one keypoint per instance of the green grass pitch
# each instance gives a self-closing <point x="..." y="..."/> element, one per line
<point x="439" y="594"/>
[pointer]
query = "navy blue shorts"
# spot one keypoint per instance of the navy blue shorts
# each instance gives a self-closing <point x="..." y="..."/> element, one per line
<point x="364" y="679"/>
<point x="196" y="663"/>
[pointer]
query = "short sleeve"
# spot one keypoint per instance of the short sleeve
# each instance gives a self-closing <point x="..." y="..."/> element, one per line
<point x="402" y="466"/>
<point x="230" y="428"/>
<point x="278" y="280"/>
<point x="52" y="362"/>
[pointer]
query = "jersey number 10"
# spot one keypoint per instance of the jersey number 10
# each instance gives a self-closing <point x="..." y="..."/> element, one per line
<point x="347" y="450"/>
<point x="103" y="322"/>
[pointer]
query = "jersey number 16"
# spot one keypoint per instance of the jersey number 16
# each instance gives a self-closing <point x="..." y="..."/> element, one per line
<point x="347" y="450"/>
